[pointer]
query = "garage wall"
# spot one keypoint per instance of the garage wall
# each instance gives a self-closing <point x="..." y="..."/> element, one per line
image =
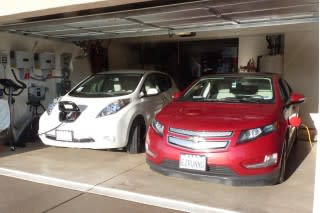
<point x="122" y="56"/>
<point x="301" y="68"/>
<point x="80" y="66"/>
<point x="251" y="47"/>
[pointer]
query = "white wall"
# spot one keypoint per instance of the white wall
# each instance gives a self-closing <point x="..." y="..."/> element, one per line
<point x="251" y="47"/>
<point x="10" y="42"/>
<point x="301" y="68"/>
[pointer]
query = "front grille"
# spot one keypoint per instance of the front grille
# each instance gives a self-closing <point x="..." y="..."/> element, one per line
<point x="199" y="140"/>
<point x="212" y="170"/>
<point x="197" y="145"/>
<point x="201" y="133"/>
<point x="81" y="140"/>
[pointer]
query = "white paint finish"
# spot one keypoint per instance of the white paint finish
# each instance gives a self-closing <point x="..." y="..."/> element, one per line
<point x="251" y="47"/>
<point x="116" y="125"/>
<point x="175" y="204"/>
<point x="301" y="69"/>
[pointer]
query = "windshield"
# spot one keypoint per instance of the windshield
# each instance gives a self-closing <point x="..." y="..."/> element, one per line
<point x="107" y="85"/>
<point x="232" y="89"/>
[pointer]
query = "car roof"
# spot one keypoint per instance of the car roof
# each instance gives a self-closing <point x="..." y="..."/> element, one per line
<point x="131" y="71"/>
<point x="258" y="74"/>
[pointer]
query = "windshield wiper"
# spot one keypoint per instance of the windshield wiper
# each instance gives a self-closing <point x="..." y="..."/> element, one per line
<point x="228" y="99"/>
<point x="251" y="100"/>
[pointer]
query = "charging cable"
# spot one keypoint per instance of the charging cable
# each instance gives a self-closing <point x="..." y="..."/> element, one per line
<point x="51" y="129"/>
<point x="309" y="137"/>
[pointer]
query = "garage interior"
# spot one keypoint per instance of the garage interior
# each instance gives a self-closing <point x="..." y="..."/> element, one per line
<point x="178" y="38"/>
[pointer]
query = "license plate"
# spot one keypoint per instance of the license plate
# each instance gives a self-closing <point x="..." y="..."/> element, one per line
<point x="194" y="162"/>
<point x="62" y="135"/>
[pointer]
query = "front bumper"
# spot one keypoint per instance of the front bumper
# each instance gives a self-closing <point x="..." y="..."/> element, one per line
<point x="226" y="177"/>
<point x="104" y="133"/>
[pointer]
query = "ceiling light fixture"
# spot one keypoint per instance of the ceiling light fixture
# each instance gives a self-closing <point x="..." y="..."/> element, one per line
<point x="186" y="34"/>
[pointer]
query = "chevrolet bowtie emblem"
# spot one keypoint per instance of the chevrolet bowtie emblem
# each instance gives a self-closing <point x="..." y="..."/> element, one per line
<point x="196" y="139"/>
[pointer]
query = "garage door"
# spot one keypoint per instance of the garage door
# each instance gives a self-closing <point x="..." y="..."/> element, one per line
<point x="162" y="18"/>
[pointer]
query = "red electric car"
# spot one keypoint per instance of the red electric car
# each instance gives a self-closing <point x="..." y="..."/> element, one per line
<point x="230" y="128"/>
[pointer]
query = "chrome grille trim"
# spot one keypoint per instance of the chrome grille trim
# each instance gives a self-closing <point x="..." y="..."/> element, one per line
<point x="201" y="134"/>
<point x="201" y="145"/>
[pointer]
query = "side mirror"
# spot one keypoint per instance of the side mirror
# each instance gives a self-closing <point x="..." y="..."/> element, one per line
<point x="141" y="94"/>
<point x="152" y="91"/>
<point x="296" y="98"/>
<point x="176" y="95"/>
<point x="295" y="121"/>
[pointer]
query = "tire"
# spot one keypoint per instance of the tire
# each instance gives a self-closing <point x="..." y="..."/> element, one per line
<point x="282" y="173"/>
<point x="296" y="136"/>
<point x="136" y="136"/>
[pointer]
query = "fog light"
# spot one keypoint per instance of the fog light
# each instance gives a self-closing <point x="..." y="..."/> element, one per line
<point x="109" y="139"/>
<point x="269" y="160"/>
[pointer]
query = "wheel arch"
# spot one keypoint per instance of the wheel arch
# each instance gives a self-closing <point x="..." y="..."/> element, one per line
<point x="138" y="116"/>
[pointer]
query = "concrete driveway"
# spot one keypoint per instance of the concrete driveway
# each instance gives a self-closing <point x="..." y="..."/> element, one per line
<point x="126" y="176"/>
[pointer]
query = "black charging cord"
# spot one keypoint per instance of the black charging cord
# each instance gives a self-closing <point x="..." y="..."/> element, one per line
<point x="51" y="129"/>
<point x="22" y="84"/>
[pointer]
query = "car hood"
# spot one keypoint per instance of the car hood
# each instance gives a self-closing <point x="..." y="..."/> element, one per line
<point x="217" y="116"/>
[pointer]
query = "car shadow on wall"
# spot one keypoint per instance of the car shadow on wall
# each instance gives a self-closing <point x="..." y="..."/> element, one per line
<point x="299" y="152"/>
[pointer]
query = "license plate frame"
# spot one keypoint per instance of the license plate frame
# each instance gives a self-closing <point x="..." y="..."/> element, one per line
<point x="193" y="162"/>
<point x="64" y="135"/>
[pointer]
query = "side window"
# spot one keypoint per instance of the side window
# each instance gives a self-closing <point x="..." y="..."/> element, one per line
<point x="150" y="86"/>
<point x="163" y="82"/>
<point x="284" y="91"/>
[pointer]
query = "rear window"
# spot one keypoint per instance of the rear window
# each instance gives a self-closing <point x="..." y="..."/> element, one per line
<point x="232" y="89"/>
<point x="107" y="85"/>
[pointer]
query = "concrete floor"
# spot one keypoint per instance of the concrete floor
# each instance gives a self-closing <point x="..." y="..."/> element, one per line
<point x="126" y="176"/>
<point x="21" y="196"/>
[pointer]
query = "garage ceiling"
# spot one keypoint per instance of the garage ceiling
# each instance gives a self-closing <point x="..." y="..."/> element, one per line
<point x="171" y="19"/>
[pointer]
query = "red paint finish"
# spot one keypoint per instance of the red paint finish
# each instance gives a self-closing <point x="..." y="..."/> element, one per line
<point x="223" y="116"/>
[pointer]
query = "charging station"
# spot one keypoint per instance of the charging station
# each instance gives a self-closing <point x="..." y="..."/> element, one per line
<point x="23" y="61"/>
<point x="46" y="63"/>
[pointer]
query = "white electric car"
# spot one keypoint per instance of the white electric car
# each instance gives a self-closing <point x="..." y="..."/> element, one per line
<point x="107" y="110"/>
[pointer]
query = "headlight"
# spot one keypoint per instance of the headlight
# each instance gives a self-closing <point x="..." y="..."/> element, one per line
<point x="113" y="107"/>
<point x="157" y="126"/>
<point x="251" y="134"/>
